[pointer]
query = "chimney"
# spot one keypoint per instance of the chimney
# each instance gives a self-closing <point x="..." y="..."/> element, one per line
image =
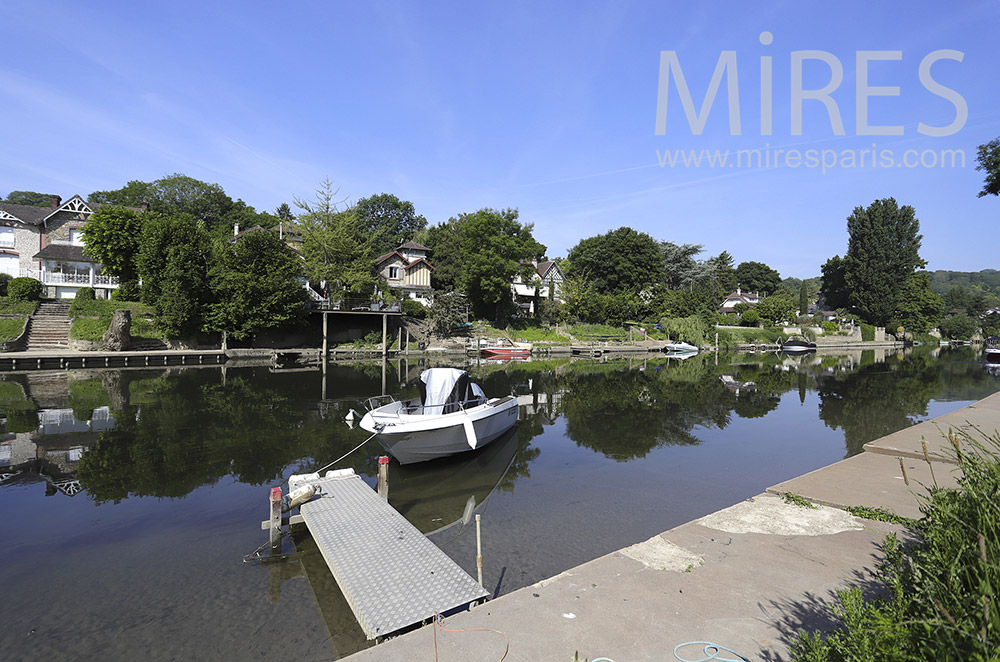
<point x="236" y="229"/>
<point x="55" y="201"/>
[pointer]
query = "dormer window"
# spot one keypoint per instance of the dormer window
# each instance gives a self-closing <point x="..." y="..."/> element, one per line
<point x="394" y="273"/>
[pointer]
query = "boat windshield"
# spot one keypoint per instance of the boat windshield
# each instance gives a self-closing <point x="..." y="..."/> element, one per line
<point x="446" y="390"/>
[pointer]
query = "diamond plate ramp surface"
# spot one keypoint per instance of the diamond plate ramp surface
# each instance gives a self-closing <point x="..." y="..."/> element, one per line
<point x="391" y="575"/>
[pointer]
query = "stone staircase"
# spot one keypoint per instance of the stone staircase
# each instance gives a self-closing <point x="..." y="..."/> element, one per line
<point x="49" y="327"/>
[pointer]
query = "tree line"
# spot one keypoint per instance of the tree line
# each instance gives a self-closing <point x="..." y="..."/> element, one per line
<point x="199" y="277"/>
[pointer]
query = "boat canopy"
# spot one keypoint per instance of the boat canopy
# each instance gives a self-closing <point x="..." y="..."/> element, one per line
<point x="445" y="390"/>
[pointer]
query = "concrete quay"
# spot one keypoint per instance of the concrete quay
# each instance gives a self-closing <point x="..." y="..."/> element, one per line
<point x="747" y="577"/>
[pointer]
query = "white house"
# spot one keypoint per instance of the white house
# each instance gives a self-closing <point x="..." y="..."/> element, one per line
<point x="546" y="277"/>
<point x="739" y="296"/>
<point x="46" y="243"/>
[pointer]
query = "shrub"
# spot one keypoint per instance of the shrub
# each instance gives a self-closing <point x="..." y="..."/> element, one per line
<point x="22" y="420"/>
<point x="85" y="293"/>
<point x="4" y="279"/>
<point x="938" y="595"/>
<point x="750" y="318"/>
<point x="24" y="289"/>
<point x="959" y="327"/>
<point x="127" y="291"/>
<point x="830" y="327"/>
<point x="867" y="332"/>
<point x="413" y="308"/>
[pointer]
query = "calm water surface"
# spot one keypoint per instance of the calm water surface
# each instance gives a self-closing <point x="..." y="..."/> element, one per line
<point x="130" y="497"/>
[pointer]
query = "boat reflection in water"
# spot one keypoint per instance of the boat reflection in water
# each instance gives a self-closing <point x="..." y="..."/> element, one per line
<point x="436" y="495"/>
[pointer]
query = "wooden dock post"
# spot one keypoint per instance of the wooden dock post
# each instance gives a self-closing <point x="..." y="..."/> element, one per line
<point x="326" y="345"/>
<point x="385" y="337"/>
<point x="275" y="520"/>
<point x="479" y="551"/>
<point x="383" y="477"/>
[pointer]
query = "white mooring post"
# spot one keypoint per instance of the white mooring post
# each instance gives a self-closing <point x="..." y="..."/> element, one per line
<point x="383" y="477"/>
<point x="275" y="519"/>
<point x="479" y="551"/>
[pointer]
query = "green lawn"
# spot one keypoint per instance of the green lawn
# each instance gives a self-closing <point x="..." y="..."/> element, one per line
<point x="597" y="332"/>
<point x="10" y="306"/>
<point x="91" y="318"/>
<point x="11" y="328"/>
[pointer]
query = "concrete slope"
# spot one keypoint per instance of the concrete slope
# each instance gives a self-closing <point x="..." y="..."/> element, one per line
<point x="746" y="578"/>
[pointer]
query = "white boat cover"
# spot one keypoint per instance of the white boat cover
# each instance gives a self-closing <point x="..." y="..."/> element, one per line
<point x="444" y="388"/>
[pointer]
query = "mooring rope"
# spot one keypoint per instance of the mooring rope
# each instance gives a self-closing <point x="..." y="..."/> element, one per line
<point x="377" y="430"/>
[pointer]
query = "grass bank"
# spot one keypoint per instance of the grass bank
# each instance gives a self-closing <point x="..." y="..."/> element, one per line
<point x="939" y="594"/>
<point x="91" y="318"/>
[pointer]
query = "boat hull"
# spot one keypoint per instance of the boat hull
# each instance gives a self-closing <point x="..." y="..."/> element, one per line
<point x="420" y="437"/>
<point x="504" y="353"/>
<point x="993" y="356"/>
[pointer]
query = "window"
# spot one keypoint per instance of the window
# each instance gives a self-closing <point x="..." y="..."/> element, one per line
<point x="7" y="237"/>
<point x="76" y="237"/>
<point x="394" y="272"/>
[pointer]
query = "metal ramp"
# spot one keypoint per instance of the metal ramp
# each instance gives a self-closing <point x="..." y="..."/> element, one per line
<point x="391" y="575"/>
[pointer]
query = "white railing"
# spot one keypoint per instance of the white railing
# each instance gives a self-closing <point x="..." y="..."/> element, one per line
<point x="61" y="278"/>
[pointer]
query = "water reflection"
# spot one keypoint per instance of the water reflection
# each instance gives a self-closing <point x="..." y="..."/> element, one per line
<point x="595" y="439"/>
<point x="134" y="433"/>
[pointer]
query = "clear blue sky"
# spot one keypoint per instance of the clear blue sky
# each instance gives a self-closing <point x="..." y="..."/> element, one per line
<point x="547" y="107"/>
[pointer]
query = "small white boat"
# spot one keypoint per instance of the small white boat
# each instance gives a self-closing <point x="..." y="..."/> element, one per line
<point x="452" y="415"/>
<point x="679" y="347"/>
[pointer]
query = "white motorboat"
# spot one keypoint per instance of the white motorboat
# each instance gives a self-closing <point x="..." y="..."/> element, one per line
<point x="452" y="415"/>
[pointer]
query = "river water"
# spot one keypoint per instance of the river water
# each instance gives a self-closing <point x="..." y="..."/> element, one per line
<point x="130" y="497"/>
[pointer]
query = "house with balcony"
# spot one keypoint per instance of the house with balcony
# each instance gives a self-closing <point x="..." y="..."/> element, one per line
<point x="46" y="243"/>
<point x="406" y="269"/>
<point x="546" y="281"/>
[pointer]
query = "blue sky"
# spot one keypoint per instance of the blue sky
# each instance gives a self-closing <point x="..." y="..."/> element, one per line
<point x="547" y="107"/>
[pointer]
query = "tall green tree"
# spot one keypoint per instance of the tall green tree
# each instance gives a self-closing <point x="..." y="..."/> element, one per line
<point x="173" y="260"/>
<point x="776" y="308"/>
<point x="757" y="277"/>
<point x="988" y="160"/>
<point x="918" y="309"/>
<point x="834" y="286"/>
<point x="256" y="284"/>
<point x="175" y="194"/>
<point x="622" y="260"/>
<point x="392" y="220"/>
<point x="883" y="251"/>
<point x="804" y="299"/>
<point x="723" y="271"/>
<point x="111" y="236"/>
<point x="445" y="242"/>
<point x="497" y="247"/>
<point x="336" y="248"/>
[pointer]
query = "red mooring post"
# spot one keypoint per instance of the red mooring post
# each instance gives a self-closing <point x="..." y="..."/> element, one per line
<point x="383" y="477"/>
<point x="275" y="519"/>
